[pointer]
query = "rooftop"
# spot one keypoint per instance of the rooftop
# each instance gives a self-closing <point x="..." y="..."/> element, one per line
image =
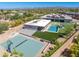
<point x="74" y="13"/>
<point x="38" y="22"/>
<point x="57" y="16"/>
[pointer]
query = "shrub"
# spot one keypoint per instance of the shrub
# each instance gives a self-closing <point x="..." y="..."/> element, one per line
<point x="3" y="27"/>
<point x="5" y="54"/>
<point x="16" y="53"/>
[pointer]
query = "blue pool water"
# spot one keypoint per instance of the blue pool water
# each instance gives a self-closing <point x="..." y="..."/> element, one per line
<point x="53" y="28"/>
<point x="28" y="46"/>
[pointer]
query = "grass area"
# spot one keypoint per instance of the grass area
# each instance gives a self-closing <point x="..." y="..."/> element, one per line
<point x="68" y="27"/>
<point x="47" y="35"/>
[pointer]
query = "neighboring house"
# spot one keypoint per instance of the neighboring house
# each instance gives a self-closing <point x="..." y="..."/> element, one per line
<point x="75" y="15"/>
<point x="57" y="17"/>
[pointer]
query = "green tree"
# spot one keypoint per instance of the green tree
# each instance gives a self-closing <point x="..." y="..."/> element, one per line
<point x="75" y="26"/>
<point x="15" y="23"/>
<point x="3" y="27"/>
<point x="75" y="50"/>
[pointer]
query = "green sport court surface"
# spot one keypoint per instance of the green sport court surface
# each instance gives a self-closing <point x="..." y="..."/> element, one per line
<point x="26" y="45"/>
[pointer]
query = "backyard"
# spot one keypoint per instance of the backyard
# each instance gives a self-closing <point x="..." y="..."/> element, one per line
<point x="51" y="36"/>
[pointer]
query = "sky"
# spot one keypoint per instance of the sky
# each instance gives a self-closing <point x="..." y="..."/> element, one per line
<point x="8" y="5"/>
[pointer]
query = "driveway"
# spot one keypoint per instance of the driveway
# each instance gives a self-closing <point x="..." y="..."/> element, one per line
<point x="28" y="32"/>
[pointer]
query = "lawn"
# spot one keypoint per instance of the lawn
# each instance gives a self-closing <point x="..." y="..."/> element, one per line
<point x="68" y="27"/>
<point x="47" y="35"/>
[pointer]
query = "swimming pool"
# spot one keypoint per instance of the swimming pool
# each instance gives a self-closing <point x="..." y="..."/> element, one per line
<point x="26" y="45"/>
<point x="53" y="28"/>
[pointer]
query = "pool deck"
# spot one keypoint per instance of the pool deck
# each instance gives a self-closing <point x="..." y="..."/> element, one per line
<point x="46" y="28"/>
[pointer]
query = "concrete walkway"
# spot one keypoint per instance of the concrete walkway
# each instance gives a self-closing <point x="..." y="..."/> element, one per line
<point x="65" y="45"/>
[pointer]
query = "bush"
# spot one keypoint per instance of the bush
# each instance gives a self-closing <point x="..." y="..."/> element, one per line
<point x="15" y="23"/>
<point x="3" y="27"/>
<point x="16" y="53"/>
<point x="5" y="54"/>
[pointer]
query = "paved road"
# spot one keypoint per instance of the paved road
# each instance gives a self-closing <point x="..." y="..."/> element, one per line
<point x="64" y="46"/>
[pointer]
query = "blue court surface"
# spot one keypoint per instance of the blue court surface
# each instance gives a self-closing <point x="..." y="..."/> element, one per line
<point x="28" y="46"/>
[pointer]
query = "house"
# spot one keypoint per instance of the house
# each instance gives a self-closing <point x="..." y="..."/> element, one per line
<point x="38" y="24"/>
<point x="74" y="15"/>
<point x="57" y="17"/>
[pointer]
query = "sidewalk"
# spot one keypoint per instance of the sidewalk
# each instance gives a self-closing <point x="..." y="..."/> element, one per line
<point x="64" y="46"/>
